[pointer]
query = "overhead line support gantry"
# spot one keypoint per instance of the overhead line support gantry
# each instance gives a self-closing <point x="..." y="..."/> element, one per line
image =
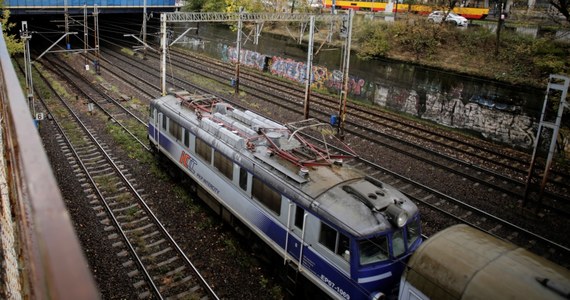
<point x="240" y="17"/>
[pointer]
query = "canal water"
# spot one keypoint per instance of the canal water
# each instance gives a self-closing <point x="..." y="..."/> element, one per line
<point x="490" y="109"/>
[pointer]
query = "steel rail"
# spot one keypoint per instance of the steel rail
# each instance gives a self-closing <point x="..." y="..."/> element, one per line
<point x="48" y="245"/>
<point x="69" y="80"/>
<point x="498" y="176"/>
<point x="439" y="194"/>
<point x="101" y="197"/>
<point x="467" y="206"/>
<point x="141" y="201"/>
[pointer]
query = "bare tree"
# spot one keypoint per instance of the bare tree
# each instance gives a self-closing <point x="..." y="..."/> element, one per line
<point x="500" y="22"/>
<point x="452" y="3"/>
<point x="562" y="6"/>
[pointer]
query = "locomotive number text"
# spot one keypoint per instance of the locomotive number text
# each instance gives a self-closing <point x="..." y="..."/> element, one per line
<point x="335" y="287"/>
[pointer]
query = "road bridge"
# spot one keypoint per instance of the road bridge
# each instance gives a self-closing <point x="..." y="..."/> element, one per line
<point x="58" y="7"/>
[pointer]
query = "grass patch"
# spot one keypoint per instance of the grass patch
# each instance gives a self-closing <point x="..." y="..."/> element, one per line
<point x="231" y="246"/>
<point x="207" y="222"/>
<point x="132" y="211"/>
<point x="128" y="51"/>
<point x="126" y="142"/>
<point x="158" y="172"/>
<point x="206" y="83"/>
<point x="275" y="291"/>
<point x="107" y="183"/>
<point x="123" y="198"/>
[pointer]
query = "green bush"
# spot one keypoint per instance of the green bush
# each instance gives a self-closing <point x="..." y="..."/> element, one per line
<point x="373" y="40"/>
<point x="521" y="59"/>
<point x="477" y="41"/>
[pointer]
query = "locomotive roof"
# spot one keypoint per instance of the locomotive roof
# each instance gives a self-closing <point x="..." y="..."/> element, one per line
<point x="335" y="189"/>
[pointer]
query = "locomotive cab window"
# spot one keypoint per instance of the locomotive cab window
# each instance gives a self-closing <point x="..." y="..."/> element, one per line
<point x="203" y="150"/>
<point x="186" y="138"/>
<point x="412" y="231"/>
<point x="398" y="244"/>
<point x="175" y="129"/>
<point x="223" y="164"/>
<point x="334" y="241"/>
<point x="299" y="215"/>
<point x="266" y="195"/>
<point x="164" y="120"/>
<point x="373" y="250"/>
<point x="243" y="179"/>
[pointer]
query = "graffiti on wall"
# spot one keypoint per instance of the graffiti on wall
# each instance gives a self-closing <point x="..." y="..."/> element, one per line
<point x="288" y="68"/>
<point x="321" y="77"/>
<point x="450" y="109"/>
<point x="357" y="87"/>
<point x="248" y="58"/>
<point x="431" y="99"/>
<point x="451" y="106"/>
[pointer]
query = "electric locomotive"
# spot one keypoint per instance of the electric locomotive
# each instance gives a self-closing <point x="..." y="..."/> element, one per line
<point x="346" y="233"/>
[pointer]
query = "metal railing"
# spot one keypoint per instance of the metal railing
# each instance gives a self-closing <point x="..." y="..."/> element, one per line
<point x="44" y="259"/>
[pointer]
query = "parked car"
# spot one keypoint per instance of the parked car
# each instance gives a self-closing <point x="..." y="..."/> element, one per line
<point x="315" y="3"/>
<point x="437" y="17"/>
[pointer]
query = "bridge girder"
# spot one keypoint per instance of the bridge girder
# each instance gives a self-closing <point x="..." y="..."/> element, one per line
<point x="179" y="17"/>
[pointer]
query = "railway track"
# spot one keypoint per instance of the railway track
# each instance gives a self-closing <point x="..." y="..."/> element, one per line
<point x="503" y="160"/>
<point x="452" y="209"/>
<point x="506" y="169"/>
<point x="480" y="172"/>
<point x="455" y="211"/>
<point x="503" y="170"/>
<point x="438" y="203"/>
<point x="97" y="95"/>
<point x="157" y="265"/>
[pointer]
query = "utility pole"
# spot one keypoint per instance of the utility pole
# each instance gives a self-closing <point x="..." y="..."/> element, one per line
<point x="163" y="54"/>
<point x="85" y="36"/>
<point x="558" y="85"/>
<point x="238" y="47"/>
<point x="96" y="24"/>
<point x="144" y="29"/>
<point x="345" y="68"/>
<point x="66" y="16"/>
<point x="396" y="10"/>
<point x="500" y="22"/>
<point x="24" y="35"/>
<point x="308" y="73"/>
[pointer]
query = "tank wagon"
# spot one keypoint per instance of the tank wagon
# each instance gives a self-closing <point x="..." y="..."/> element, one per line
<point x="347" y="234"/>
<point x="462" y="262"/>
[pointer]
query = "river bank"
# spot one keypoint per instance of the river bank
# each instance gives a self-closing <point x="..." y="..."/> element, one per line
<point x="520" y="59"/>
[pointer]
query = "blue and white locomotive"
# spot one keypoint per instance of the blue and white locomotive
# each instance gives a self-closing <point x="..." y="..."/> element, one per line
<point x="346" y="233"/>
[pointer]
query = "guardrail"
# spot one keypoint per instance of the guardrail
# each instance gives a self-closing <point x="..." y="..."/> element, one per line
<point x="42" y="255"/>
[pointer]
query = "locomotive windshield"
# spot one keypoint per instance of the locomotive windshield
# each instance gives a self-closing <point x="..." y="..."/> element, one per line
<point x="377" y="249"/>
<point x="373" y="250"/>
<point x="413" y="231"/>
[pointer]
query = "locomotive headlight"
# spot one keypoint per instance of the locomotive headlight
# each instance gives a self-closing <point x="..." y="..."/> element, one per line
<point x="397" y="215"/>
<point x="378" y="296"/>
